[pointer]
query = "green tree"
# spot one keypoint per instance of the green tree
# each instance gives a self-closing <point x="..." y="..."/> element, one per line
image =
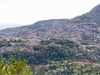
<point x="16" y="66"/>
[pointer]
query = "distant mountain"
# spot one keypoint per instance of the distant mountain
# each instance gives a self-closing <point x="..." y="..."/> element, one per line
<point x="84" y="29"/>
<point x="11" y="25"/>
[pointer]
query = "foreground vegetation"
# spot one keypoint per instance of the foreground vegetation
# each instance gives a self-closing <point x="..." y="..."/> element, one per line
<point x="20" y="67"/>
<point x="50" y="57"/>
<point x="14" y="67"/>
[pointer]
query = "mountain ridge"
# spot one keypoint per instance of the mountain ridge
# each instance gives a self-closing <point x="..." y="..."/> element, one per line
<point x="82" y="29"/>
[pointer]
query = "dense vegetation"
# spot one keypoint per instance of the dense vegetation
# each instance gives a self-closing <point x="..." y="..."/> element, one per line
<point x="50" y="56"/>
<point x="14" y="67"/>
<point x="53" y="50"/>
<point x="20" y="67"/>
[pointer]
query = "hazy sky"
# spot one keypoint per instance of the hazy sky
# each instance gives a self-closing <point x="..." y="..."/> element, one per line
<point x="30" y="11"/>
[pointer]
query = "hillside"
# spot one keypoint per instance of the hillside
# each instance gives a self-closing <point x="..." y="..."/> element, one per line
<point x="53" y="57"/>
<point x="83" y="29"/>
<point x="48" y="50"/>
